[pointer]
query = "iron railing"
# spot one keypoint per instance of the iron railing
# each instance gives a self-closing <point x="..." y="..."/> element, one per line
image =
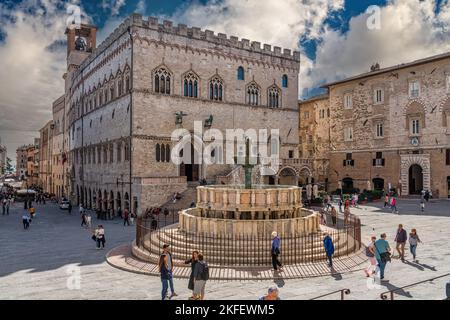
<point x="391" y="293"/>
<point x="343" y="293"/>
<point x="245" y="249"/>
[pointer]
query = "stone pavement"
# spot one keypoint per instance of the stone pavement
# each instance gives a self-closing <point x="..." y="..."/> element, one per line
<point x="43" y="262"/>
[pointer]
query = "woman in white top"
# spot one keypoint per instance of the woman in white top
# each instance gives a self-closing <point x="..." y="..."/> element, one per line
<point x="100" y="236"/>
<point x="370" y="253"/>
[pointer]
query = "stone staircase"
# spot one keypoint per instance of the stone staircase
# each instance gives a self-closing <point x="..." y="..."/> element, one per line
<point x="240" y="251"/>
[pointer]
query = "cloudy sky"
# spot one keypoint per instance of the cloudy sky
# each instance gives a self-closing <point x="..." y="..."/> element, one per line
<point x="337" y="38"/>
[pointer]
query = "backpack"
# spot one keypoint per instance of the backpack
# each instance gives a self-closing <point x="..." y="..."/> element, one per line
<point x="205" y="272"/>
<point x="369" y="253"/>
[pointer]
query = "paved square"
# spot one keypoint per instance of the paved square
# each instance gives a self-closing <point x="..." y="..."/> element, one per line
<point x="40" y="263"/>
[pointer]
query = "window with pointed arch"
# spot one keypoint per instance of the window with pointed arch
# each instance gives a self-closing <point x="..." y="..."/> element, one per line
<point x="111" y="92"/>
<point x="120" y="86"/>
<point x="190" y="85"/>
<point x="127" y="151"/>
<point x="119" y="151"/>
<point x="240" y="73"/>
<point x="253" y="94"/>
<point x="273" y="96"/>
<point x="162" y="152"/>
<point x="127" y="83"/>
<point x="284" y="81"/>
<point x="161" y="82"/>
<point x="216" y="88"/>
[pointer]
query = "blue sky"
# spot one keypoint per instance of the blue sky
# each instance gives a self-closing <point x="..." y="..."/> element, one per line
<point x="332" y="35"/>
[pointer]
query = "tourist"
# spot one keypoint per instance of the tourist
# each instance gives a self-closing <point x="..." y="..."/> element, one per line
<point x="401" y="238"/>
<point x="26" y="221"/>
<point x="339" y="204"/>
<point x="154" y="223"/>
<point x="132" y="216"/>
<point x="323" y="219"/>
<point x="8" y="202"/>
<point x="382" y="254"/>
<point x="32" y="212"/>
<point x="166" y="270"/>
<point x="422" y="205"/>
<point x="119" y="213"/>
<point x="174" y="197"/>
<point x="370" y="253"/>
<point x="427" y="195"/>
<point x="126" y="216"/>
<point x="394" y="205"/>
<point x="193" y="261"/>
<point x="386" y="200"/>
<point x="356" y="200"/>
<point x="70" y="207"/>
<point x="83" y="220"/>
<point x="99" y="234"/>
<point x="276" y="243"/>
<point x="272" y="294"/>
<point x="81" y="209"/>
<point x="346" y="215"/>
<point x="329" y="248"/>
<point x="201" y="275"/>
<point x="413" y="241"/>
<point x="88" y="220"/>
<point x="334" y="215"/>
<point x="347" y="203"/>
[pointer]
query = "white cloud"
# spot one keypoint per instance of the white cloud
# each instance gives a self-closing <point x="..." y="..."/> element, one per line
<point x="33" y="58"/>
<point x="410" y="30"/>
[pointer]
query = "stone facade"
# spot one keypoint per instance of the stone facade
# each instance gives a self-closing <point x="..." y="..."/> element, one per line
<point x="315" y="139"/>
<point x="59" y="162"/>
<point x="21" y="162"/>
<point x="120" y="114"/>
<point x="45" y="157"/>
<point x="2" y="159"/>
<point x="391" y="127"/>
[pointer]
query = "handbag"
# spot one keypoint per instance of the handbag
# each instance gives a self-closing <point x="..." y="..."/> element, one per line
<point x="94" y="237"/>
<point x="385" y="256"/>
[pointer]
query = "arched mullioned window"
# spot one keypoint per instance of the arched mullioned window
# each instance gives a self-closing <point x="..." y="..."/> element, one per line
<point x="253" y="94"/>
<point x="167" y="153"/>
<point x="273" y="97"/>
<point x="216" y="88"/>
<point x="284" y="81"/>
<point x="127" y="84"/>
<point x="190" y="85"/>
<point x="240" y="73"/>
<point x="158" y="152"/>
<point x="119" y="151"/>
<point x="105" y="92"/>
<point x="161" y="82"/>
<point x="111" y="90"/>
<point x="120" y="86"/>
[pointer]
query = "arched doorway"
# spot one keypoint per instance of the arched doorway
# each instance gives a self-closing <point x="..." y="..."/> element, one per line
<point x="287" y="176"/>
<point x="448" y="186"/>
<point x="305" y="177"/>
<point x="126" y="202"/>
<point x="347" y="185"/>
<point x="415" y="179"/>
<point x="190" y="169"/>
<point x="378" y="184"/>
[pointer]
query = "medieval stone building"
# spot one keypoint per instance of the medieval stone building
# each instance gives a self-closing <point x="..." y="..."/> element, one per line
<point x="125" y="98"/>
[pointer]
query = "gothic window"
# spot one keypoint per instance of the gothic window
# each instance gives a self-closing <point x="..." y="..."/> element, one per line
<point x="111" y="153"/>
<point x="127" y="83"/>
<point x="253" y="94"/>
<point x="158" y="152"/>
<point x="111" y="90"/>
<point x="100" y="96"/>
<point x="162" y="153"/>
<point x="120" y="86"/>
<point x="190" y="85"/>
<point x="105" y="92"/>
<point x="127" y="151"/>
<point x="95" y="100"/>
<point x="105" y="154"/>
<point x="99" y="154"/>
<point x="273" y="96"/>
<point x="284" y="81"/>
<point x="119" y="151"/>
<point x="167" y="153"/>
<point x="216" y="89"/>
<point x="240" y="73"/>
<point x="161" y="82"/>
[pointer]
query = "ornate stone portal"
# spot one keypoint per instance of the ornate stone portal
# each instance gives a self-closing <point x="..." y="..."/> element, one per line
<point x="407" y="160"/>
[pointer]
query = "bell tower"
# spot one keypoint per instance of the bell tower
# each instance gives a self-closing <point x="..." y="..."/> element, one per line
<point x="81" y="41"/>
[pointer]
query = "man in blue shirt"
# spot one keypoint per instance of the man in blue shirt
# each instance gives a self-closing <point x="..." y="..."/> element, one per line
<point x="329" y="249"/>
<point x="277" y="266"/>
<point x="381" y="246"/>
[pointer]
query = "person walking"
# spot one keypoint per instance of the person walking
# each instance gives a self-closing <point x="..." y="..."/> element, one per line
<point x="83" y="220"/>
<point x="126" y="217"/>
<point x="386" y="200"/>
<point x="193" y="261"/>
<point x="422" y="205"/>
<point x="382" y="254"/>
<point x="166" y="270"/>
<point x="4" y="206"/>
<point x="99" y="234"/>
<point x="329" y="249"/>
<point x="70" y="208"/>
<point x="333" y="215"/>
<point x="339" y="204"/>
<point x="8" y="202"/>
<point x="32" y="212"/>
<point x="413" y="241"/>
<point x="26" y="221"/>
<point x="201" y="275"/>
<point x="370" y="253"/>
<point x="275" y="250"/>
<point x="346" y="215"/>
<point x="401" y="238"/>
<point x="132" y="216"/>
<point x="88" y="220"/>
<point x="346" y="203"/>
<point x="394" y="205"/>
<point x="427" y="195"/>
<point x="81" y="209"/>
